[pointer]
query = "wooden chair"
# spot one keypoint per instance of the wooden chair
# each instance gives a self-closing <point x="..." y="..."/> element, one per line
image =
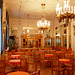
<point x="36" y="73"/>
<point x="19" y="50"/>
<point x="62" y="55"/>
<point x="7" y="57"/>
<point x="70" y="67"/>
<point x="23" y="65"/>
<point x="36" y="56"/>
<point x="56" y="66"/>
<point x="47" y="50"/>
<point x="2" y="67"/>
<point x="13" y="51"/>
<point x="32" y="67"/>
<point x="8" y="67"/>
<point x="43" y="62"/>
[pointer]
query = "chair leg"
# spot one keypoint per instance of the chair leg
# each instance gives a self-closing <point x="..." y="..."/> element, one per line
<point x="58" y="73"/>
<point x="72" y="72"/>
<point x="64" y="72"/>
<point x="52" y="72"/>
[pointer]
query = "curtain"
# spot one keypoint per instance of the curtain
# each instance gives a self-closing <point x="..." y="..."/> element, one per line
<point x="7" y="28"/>
<point x="1" y="39"/>
<point x="1" y="28"/>
<point x="7" y="33"/>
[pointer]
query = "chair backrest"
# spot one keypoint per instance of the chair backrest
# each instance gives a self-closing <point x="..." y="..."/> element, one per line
<point x="19" y="50"/>
<point x="13" y="51"/>
<point x="7" y="57"/>
<point x="36" y="52"/>
<point x="32" y="67"/>
<point x="23" y="64"/>
<point x="62" y="55"/>
<point x="42" y="55"/>
<point x="55" y="62"/>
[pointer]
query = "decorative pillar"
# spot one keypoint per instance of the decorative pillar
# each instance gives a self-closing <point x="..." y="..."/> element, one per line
<point x="68" y="36"/>
<point x="72" y="34"/>
<point x="61" y="34"/>
<point x="54" y="38"/>
<point x="20" y="31"/>
<point x="43" y="38"/>
<point x="4" y="23"/>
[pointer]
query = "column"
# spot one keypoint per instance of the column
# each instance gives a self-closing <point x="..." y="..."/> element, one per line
<point x="54" y="37"/>
<point x="62" y="34"/>
<point x="43" y="38"/>
<point x="20" y="31"/>
<point x="4" y="23"/>
<point x="72" y="34"/>
<point x="68" y="36"/>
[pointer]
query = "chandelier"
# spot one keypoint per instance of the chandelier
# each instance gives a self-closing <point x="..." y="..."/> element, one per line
<point x="43" y="23"/>
<point x="66" y="12"/>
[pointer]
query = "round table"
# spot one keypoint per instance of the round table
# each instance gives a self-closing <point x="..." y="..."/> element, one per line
<point x="14" y="62"/>
<point x="64" y="61"/>
<point x="48" y="55"/>
<point x="18" y="73"/>
<point x="15" y="56"/>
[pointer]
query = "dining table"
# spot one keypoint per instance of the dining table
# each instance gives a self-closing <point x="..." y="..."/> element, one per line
<point x="15" y="56"/>
<point x="14" y="62"/>
<point x="58" y="52"/>
<point x="48" y="55"/>
<point x="18" y="73"/>
<point x="64" y="61"/>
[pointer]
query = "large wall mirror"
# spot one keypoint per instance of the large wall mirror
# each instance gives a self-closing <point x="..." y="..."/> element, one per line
<point x="61" y="33"/>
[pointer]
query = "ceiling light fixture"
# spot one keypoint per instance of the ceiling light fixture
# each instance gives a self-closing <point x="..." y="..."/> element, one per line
<point x="43" y="24"/>
<point x="66" y="12"/>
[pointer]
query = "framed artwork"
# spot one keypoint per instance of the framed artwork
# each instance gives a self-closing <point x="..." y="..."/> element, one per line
<point x="14" y="31"/>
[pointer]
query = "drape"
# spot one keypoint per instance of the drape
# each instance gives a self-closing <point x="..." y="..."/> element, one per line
<point x="1" y="34"/>
<point x="1" y="39"/>
<point x="7" y="33"/>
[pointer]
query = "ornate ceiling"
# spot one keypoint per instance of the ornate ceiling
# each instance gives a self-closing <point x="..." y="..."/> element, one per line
<point x="20" y="8"/>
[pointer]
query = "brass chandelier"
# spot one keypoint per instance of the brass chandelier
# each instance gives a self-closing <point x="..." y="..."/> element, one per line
<point x="66" y="12"/>
<point x="43" y="23"/>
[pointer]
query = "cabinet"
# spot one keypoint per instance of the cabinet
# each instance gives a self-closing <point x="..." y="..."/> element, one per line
<point x="38" y="41"/>
<point x="24" y="41"/>
<point x="48" y="42"/>
<point x="16" y="41"/>
<point x="31" y="41"/>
